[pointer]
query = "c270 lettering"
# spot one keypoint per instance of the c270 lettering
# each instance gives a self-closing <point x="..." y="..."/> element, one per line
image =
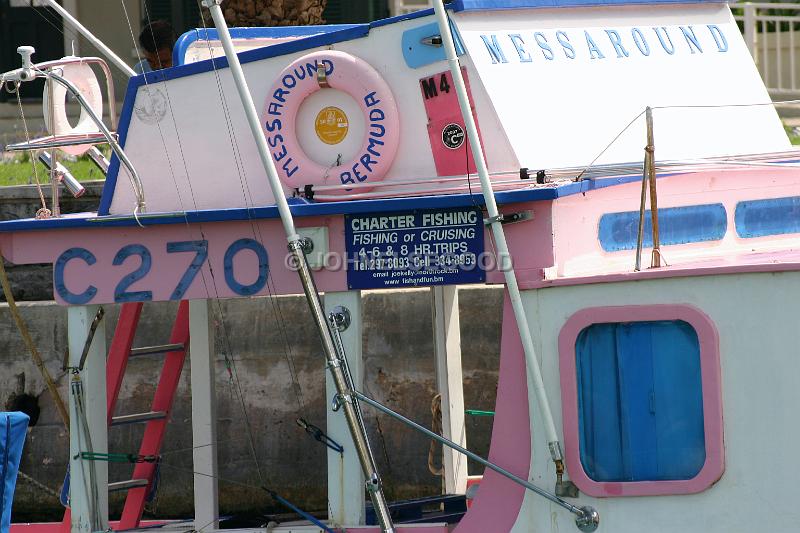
<point x="122" y="293"/>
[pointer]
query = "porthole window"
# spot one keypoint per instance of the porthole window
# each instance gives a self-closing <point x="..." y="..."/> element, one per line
<point x="641" y="400"/>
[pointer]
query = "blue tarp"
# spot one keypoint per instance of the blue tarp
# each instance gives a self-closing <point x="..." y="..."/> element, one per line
<point x="12" y="439"/>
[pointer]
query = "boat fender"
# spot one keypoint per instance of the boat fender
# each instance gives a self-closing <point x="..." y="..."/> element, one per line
<point x="354" y="76"/>
<point x="83" y="77"/>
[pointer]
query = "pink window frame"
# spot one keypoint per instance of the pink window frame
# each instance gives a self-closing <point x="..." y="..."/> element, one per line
<point x="712" y="398"/>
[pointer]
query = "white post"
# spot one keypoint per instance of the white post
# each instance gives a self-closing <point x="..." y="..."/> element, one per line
<point x="345" y="476"/>
<point x="71" y="43"/>
<point x="88" y="487"/>
<point x="204" y="415"/>
<point x="750" y="29"/>
<point x="447" y="346"/>
<point x="72" y="21"/>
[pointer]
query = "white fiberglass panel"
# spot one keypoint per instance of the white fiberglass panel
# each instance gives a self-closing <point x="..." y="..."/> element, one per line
<point x="566" y="82"/>
<point x="757" y="371"/>
<point x="190" y="143"/>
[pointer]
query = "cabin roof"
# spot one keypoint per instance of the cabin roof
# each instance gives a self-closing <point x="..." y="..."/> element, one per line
<point x="478" y="5"/>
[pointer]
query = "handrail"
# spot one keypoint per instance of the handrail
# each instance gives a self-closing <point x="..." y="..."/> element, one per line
<point x="769" y="54"/>
<point x="138" y="189"/>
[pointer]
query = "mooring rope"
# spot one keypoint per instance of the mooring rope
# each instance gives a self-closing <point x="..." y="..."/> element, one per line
<point x="39" y="485"/>
<point x="26" y="337"/>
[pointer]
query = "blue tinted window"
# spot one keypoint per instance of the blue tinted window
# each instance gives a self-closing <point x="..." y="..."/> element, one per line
<point x="640" y="401"/>
<point x="676" y="225"/>
<point x="771" y="216"/>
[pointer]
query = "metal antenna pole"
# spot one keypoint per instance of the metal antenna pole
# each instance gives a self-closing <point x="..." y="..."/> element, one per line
<point x="531" y="360"/>
<point x="296" y="246"/>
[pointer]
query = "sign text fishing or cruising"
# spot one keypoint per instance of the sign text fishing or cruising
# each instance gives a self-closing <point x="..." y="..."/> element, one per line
<point x="417" y="248"/>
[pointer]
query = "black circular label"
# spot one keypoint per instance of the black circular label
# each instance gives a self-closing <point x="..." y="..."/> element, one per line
<point x="453" y="136"/>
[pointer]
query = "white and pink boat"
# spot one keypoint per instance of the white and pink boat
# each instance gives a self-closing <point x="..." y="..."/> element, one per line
<point x="634" y="191"/>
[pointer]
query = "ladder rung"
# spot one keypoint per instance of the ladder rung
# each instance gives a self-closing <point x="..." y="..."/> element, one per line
<point x="126" y="485"/>
<point x="137" y="418"/>
<point x="151" y="350"/>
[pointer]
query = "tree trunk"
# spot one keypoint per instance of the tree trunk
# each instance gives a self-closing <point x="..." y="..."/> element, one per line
<point x="271" y="12"/>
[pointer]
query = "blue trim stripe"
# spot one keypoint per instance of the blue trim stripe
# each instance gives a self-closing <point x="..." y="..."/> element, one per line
<point x="122" y="130"/>
<point x="477" y="5"/>
<point x="677" y="225"/>
<point x="402" y="18"/>
<point x="210" y="34"/>
<point x="299" y="208"/>
<point x="771" y="216"/>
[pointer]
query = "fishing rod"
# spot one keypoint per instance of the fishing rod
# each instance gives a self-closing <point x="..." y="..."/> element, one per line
<point x="298" y="247"/>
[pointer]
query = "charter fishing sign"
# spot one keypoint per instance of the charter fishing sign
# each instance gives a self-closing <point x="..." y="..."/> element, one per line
<point x="416" y="248"/>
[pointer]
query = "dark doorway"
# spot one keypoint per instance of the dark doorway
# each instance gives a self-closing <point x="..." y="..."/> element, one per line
<point x="182" y="14"/>
<point x="24" y="24"/>
<point x="355" y="11"/>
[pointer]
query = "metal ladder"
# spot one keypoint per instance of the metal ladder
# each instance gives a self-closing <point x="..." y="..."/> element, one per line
<point x="155" y="420"/>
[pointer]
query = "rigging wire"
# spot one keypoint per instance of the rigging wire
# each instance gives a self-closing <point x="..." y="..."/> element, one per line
<point x="230" y="362"/>
<point x="686" y="106"/>
<point x="43" y="15"/>
<point x="255" y="228"/>
<point x="31" y="154"/>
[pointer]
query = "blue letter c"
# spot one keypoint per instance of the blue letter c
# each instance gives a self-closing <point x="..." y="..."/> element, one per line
<point x="58" y="276"/>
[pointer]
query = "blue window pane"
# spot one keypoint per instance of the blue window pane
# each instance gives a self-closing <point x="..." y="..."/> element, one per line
<point x="771" y="216"/>
<point x="640" y="401"/>
<point x="676" y="225"/>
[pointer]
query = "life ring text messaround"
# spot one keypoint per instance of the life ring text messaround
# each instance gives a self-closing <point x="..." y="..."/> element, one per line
<point x="354" y="76"/>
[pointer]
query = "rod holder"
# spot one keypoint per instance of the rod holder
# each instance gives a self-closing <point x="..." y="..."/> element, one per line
<point x="64" y="175"/>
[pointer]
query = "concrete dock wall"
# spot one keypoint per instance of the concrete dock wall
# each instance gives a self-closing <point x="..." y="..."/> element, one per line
<point x="398" y="351"/>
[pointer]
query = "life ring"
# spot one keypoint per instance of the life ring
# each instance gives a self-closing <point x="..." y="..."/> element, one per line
<point x="82" y="76"/>
<point x="354" y="76"/>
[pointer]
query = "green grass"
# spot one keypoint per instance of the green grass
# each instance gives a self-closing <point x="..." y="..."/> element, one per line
<point x="20" y="171"/>
<point x="794" y="134"/>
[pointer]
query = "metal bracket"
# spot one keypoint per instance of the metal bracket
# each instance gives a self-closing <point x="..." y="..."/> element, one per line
<point x="567" y="489"/>
<point x="339" y="400"/>
<point x="433" y="40"/>
<point x="509" y="218"/>
<point x="306" y="245"/>
<point x="322" y="78"/>
<point x="588" y="520"/>
<point x="541" y="175"/>
<point x="372" y="484"/>
<point x="89" y="338"/>
<point x="340" y="317"/>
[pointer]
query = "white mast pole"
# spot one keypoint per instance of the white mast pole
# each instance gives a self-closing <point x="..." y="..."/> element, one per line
<point x="531" y="360"/>
<point x="123" y="66"/>
<point x="253" y="120"/>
